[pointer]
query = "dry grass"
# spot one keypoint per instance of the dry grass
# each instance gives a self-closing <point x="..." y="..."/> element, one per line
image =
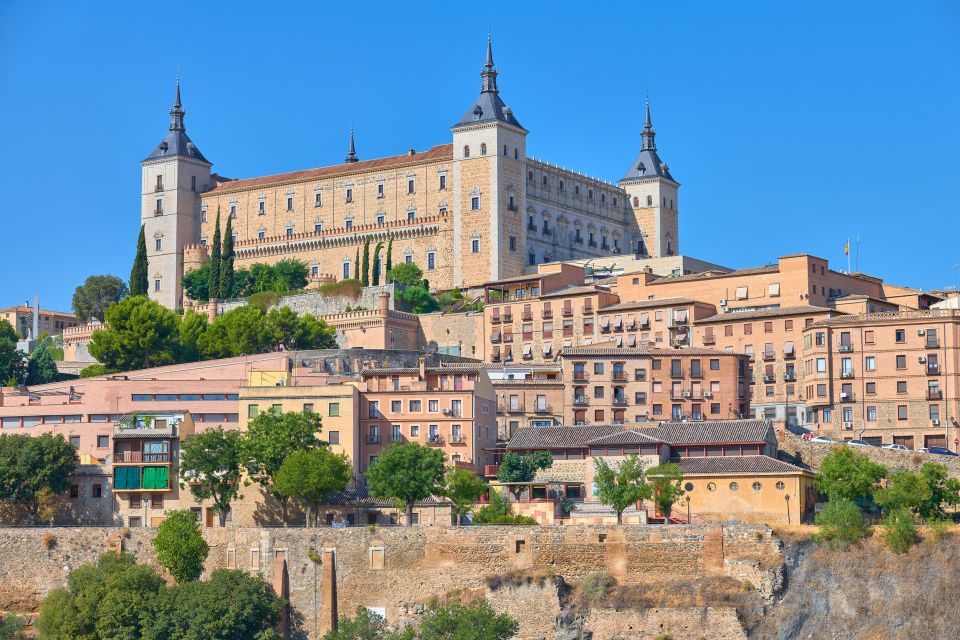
<point x="520" y="577"/>
<point x="795" y="532"/>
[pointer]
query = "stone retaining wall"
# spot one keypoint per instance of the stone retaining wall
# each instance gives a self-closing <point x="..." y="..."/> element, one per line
<point x="811" y="453"/>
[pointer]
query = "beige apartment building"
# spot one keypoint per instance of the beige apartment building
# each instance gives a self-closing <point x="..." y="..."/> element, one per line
<point x="606" y="384"/>
<point x="661" y="323"/>
<point x="453" y="408"/>
<point x="468" y="211"/>
<point x="533" y="398"/>
<point x="772" y="340"/>
<point x="53" y="323"/>
<point x="885" y="377"/>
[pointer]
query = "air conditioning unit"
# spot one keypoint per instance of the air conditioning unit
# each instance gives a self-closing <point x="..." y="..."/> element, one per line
<point x="922" y="359"/>
<point x="921" y="332"/>
<point x="843" y="396"/>
<point x="723" y="302"/>
<point x="936" y="422"/>
<point x="446" y="412"/>
<point x="687" y="394"/>
<point x="848" y="426"/>
<point x="707" y="394"/>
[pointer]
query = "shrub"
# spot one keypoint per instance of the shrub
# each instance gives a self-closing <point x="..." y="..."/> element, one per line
<point x="264" y="299"/>
<point x="596" y="587"/>
<point x="938" y="527"/>
<point x="900" y="532"/>
<point x="12" y="628"/>
<point x="49" y="540"/>
<point x="841" y="524"/>
<point x="93" y="371"/>
<point x="350" y="288"/>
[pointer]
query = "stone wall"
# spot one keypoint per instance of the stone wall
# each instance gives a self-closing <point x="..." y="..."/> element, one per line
<point x="811" y="453"/>
<point x="320" y="304"/>
<point x="398" y="569"/>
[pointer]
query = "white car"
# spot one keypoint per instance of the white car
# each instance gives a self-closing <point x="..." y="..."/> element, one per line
<point x="896" y="447"/>
<point x="858" y="443"/>
<point x="823" y="440"/>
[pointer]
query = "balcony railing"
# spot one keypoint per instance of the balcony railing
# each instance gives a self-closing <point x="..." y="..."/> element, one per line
<point x="789" y="377"/>
<point x="547" y="314"/>
<point x="846" y="348"/>
<point x="491" y="470"/>
<point x="846" y="397"/>
<point x="139" y="456"/>
<point x="620" y="400"/>
<point x="567" y="312"/>
<point x="579" y="400"/>
<point x="789" y="355"/>
<point x="527" y="316"/>
<point x="769" y="378"/>
<point x="846" y="373"/>
<point x="620" y="375"/>
<point x="696" y="374"/>
<point x="373" y="439"/>
<point x="580" y="376"/>
<point x="514" y="408"/>
<point x="933" y="369"/>
<point x="709" y="340"/>
<point x="542" y="409"/>
<point x="508" y="318"/>
<point x="934" y="395"/>
<point x="435" y="440"/>
<point x="457" y="440"/>
<point x="769" y="356"/>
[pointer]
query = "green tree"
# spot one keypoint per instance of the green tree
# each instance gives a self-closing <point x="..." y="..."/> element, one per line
<point x="419" y="299"/>
<point x="365" y="265"/>
<point x="311" y="475"/>
<point x="241" y="331"/>
<point x="474" y="621"/>
<point x="41" y="367"/>
<point x="210" y="466"/>
<point x="406" y="273"/>
<point x="516" y="468"/>
<point x="94" y="370"/>
<point x="213" y="276"/>
<point x="270" y="438"/>
<point x="666" y="480"/>
<point x="139" y="285"/>
<point x="289" y="276"/>
<point x="189" y="331"/>
<point x="226" y="262"/>
<point x="292" y="332"/>
<point x="376" y="264"/>
<point x="389" y="256"/>
<point x="899" y="530"/>
<point x="621" y="486"/>
<point x="179" y="545"/>
<point x="31" y="465"/>
<point x="366" y="625"/>
<point x="463" y="488"/>
<point x="844" y="473"/>
<point x="924" y="492"/>
<point x="139" y="333"/>
<point x="841" y="524"/>
<point x="356" y="266"/>
<point x="13" y="364"/>
<point x="196" y="282"/>
<point x="406" y="472"/>
<point x="12" y="628"/>
<point x="91" y="299"/>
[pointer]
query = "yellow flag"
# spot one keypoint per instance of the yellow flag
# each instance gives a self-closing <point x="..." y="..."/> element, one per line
<point x="846" y="249"/>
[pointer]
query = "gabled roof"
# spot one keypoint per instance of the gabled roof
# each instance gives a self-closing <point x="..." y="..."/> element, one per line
<point x="715" y="432"/>
<point x="560" y="437"/>
<point x="626" y="437"/>
<point x="609" y="349"/>
<point x="776" y="312"/>
<point x="672" y="433"/>
<point x="736" y="464"/>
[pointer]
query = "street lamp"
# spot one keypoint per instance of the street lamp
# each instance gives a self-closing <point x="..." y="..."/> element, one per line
<point x="688" y="509"/>
<point x="787" y="498"/>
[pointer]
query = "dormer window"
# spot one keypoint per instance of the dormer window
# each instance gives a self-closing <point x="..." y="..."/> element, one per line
<point x="477" y="112"/>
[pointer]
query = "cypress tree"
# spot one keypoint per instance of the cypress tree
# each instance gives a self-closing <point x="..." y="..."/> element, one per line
<point x="365" y="265"/>
<point x="226" y="262"/>
<point x="389" y="258"/>
<point x="213" y="283"/>
<point x="356" y="266"/>
<point x="138" y="274"/>
<point x="376" y="264"/>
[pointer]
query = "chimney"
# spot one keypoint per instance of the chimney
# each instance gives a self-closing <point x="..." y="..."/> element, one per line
<point x="410" y="152"/>
<point x="36" y="317"/>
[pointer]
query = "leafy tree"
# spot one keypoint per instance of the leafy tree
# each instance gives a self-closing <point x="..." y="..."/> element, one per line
<point x="210" y="464"/>
<point x="12" y="362"/>
<point x="463" y="488"/>
<point x="844" y="473"/>
<point x="91" y="299"/>
<point x="377" y="270"/>
<point x="189" y="330"/>
<point x="900" y="531"/>
<point x="522" y="468"/>
<point x="270" y="438"/>
<point x="226" y="262"/>
<point x="841" y="524"/>
<point x="292" y="332"/>
<point x="196" y="283"/>
<point x="241" y="331"/>
<point x="406" y="472"/>
<point x="923" y="492"/>
<point x="474" y="621"/>
<point x="366" y="625"/>
<point x="621" y="486"/>
<point x="179" y="545"/>
<point x="310" y="476"/>
<point x="94" y="370"/>
<point x="29" y="465"/>
<point x="419" y="299"/>
<point x="41" y="368"/>
<point x="406" y="273"/>
<point x="264" y="300"/>
<point x="365" y="265"/>
<point x="389" y="257"/>
<point x="494" y="510"/>
<point x="213" y="282"/>
<point x="139" y="285"/>
<point x="139" y="333"/>
<point x="665" y="481"/>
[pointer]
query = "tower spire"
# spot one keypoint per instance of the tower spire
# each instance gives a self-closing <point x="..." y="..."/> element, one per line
<point x="648" y="133"/>
<point x="489" y="72"/>
<point x="352" y="151"/>
<point x="177" y="112"/>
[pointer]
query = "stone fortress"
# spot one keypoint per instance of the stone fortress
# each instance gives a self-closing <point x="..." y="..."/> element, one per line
<point x="467" y="212"/>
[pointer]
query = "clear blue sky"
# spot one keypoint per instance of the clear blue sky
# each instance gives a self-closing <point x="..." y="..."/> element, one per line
<point x="791" y="126"/>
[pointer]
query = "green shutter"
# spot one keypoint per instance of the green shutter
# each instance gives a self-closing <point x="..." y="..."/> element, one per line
<point x="120" y="478"/>
<point x="155" y="478"/>
<point x="133" y="477"/>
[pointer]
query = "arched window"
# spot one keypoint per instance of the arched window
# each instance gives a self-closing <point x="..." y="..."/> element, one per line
<point x="649" y="201"/>
<point x="636" y="201"/>
<point x="483" y="148"/>
<point x="466" y="151"/>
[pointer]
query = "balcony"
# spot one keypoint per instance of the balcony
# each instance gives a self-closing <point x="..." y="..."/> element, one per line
<point x="696" y="373"/>
<point x="789" y="355"/>
<point x="676" y="373"/>
<point x="507" y="319"/>
<point x="542" y="408"/>
<point x="547" y="314"/>
<point x="845" y="348"/>
<point x="435" y="440"/>
<point x="514" y="408"/>
<point x="620" y="375"/>
<point x="769" y="356"/>
<point x="846" y="373"/>
<point x="580" y="400"/>
<point x="579" y="376"/>
<point x="526" y="316"/>
<point x="457" y="440"/>
<point x="620" y="401"/>
<point x="495" y="320"/>
<point x="933" y="369"/>
<point x="491" y="470"/>
<point x="769" y="378"/>
<point x="933" y="343"/>
<point x="847" y="397"/>
<point x="790" y="377"/>
<point x="934" y="395"/>
<point x="158" y="212"/>
<point x="129" y="457"/>
<point x="709" y="340"/>
<point x="567" y="313"/>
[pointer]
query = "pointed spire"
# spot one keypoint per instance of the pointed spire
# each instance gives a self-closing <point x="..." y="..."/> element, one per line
<point x="177" y="112"/>
<point x="648" y="133"/>
<point x="352" y="152"/>
<point x="489" y="73"/>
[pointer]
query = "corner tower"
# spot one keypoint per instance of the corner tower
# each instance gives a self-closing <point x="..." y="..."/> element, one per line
<point x="653" y="197"/>
<point x="489" y="160"/>
<point x="173" y="177"/>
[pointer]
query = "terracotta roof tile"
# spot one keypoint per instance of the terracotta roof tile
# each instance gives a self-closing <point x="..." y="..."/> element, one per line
<point x="648" y="304"/>
<point x="775" y="312"/>
<point x="736" y="464"/>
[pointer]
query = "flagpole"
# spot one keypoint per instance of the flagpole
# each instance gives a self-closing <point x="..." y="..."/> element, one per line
<point x="848" y="254"/>
<point x="856" y="261"/>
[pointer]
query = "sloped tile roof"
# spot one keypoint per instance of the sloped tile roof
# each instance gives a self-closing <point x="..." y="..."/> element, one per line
<point x="648" y="304"/>
<point x="733" y="316"/>
<point x="560" y="437"/>
<point x="626" y="437"/>
<point x="609" y="348"/>
<point x="736" y="464"/>
<point x="714" y="431"/>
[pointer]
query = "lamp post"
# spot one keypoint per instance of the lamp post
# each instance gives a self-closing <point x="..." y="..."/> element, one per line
<point x="787" y="498"/>
<point x="688" y="509"/>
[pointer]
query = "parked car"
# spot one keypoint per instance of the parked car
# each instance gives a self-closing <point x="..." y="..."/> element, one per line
<point x="823" y="440"/>
<point x="858" y="443"/>
<point x="938" y="451"/>
<point x="896" y="447"/>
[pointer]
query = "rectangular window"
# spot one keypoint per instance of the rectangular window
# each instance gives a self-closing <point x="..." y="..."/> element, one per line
<point x="289" y="203"/>
<point x="475" y="203"/>
<point x="253" y="410"/>
<point x="103" y="442"/>
<point x="411" y="186"/>
<point x="379" y="189"/>
<point x="396" y="406"/>
<point x="902" y="412"/>
<point x="901" y="362"/>
<point x="901" y="335"/>
<point x="431" y="260"/>
<point x="349" y="194"/>
<point x="333" y="409"/>
<point x="443" y="182"/>
<point x="318" y="199"/>
<point x="433" y="406"/>
<point x="156" y="284"/>
<point x="475" y="246"/>
<point x="333" y="437"/>
<point x="901" y="386"/>
<point x="871" y="414"/>
<point x="346" y="270"/>
<point x="158" y="244"/>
